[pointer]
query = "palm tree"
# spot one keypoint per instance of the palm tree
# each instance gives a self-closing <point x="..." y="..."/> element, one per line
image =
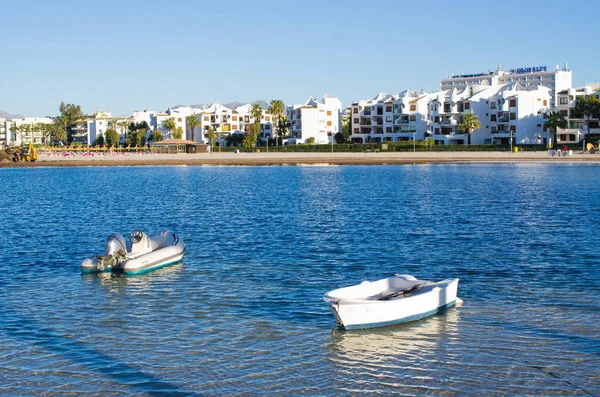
<point x="276" y="108"/>
<point x="256" y="112"/>
<point x="554" y="121"/>
<point x="123" y="124"/>
<point x="469" y="123"/>
<point x="170" y="125"/>
<point x="587" y="107"/>
<point x="192" y="122"/>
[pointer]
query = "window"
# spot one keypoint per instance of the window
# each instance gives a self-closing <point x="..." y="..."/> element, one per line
<point x="545" y="102"/>
<point x="513" y="103"/>
<point x="436" y="130"/>
<point x="467" y="105"/>
<point x="356" y="121"/>
<point x="329" y="124"/>
<point x="388" y="109"/>
<point x="206" y="118"/>
<point x="388" y="119"/>
<point x="329" y="112"/>
<point x="356" y="130"/>
<point x="388" y="130"/>
<point x="413" y="107"/>
<point x="513" y="128"/>
<point x="179" y="119"/>
<point x="233" y="118"/>
<point x="493" y="105"/>
<point x="413" y="118"/>
<point x="513" y="116"/>
<point x="235" y="127"/>
<point x="267" y="118"/>
<point x="493" y="117"/>
<point x="355" y="110"/>
<point x="436" y="119"/>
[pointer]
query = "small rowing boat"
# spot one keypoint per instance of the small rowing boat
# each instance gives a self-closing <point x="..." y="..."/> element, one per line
<point x="392" y="300"/>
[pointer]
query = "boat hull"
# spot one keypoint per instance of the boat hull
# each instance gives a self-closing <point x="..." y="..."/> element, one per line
<point x="371" y="313"/>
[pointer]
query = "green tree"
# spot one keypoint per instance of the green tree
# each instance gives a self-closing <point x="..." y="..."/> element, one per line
<point x="123" y="124"/>
<point x="470" y="122"/>
<point x="554" y="121"/>
<point x="112" y="137"/>
<point x="252" y="132"/>
<point x="178" y="133"/>
<point x="235" y="139"/>
<point x="587" y="107"/>
<point x="99" y="140"/>
<point x="276" y="108"/>
<point x="157" y="135"/>
<point x="282" y="127"/>
<point x="192" y="121"/>
<point x="344" y="136"/>
<point x="311" y="140"/>
<point x="212" y="136"/>
<point x="256" y="112"/>
<point x="69" y="113"/>
<point x="170" y="125"/>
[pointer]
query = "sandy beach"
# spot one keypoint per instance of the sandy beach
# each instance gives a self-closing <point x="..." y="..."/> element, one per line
<point x="139" y="159"/>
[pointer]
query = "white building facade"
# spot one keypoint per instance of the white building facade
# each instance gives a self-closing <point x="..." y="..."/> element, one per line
<point x="556" y="80"/>
<point x="317" y="119"/>
<point x="577" y="128"/>
<point x="24" y="131"/>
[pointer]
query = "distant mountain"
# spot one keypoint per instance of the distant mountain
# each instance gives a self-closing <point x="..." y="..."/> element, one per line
<point x="232" y="105"/>
<point x="6" y="115"/>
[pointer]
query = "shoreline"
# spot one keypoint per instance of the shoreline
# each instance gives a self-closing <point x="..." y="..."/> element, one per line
<point x="299" y="158"/>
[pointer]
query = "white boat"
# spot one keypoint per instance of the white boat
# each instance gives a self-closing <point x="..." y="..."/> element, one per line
<point x="392" y="300"/>
<point x="144" y="254"/>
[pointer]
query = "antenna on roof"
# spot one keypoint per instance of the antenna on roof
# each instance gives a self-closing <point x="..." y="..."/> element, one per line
<point x="498" y="67"/>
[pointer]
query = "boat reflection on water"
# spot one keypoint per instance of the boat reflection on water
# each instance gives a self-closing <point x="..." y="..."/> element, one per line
<point x="399" y="346"/>
<point x="116" y="282"/>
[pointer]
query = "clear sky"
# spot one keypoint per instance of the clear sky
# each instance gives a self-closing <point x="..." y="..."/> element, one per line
<point x="131" y="55"/>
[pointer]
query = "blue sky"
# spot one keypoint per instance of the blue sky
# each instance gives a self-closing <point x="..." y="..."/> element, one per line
<point x="134" y="55"/>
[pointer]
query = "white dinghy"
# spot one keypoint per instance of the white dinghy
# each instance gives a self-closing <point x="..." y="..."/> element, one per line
<point x="392" y="300"/>
<point x="145" y="253"/>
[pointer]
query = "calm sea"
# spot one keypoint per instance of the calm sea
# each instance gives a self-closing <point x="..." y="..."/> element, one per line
<point x="243" y="313"/>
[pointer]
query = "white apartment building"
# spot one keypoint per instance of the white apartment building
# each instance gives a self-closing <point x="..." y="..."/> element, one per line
<point x="98" y="125"/>
<point x="557" y="80"/>
<point x="504" y="111"/>
<point x="576" y="129"/>
<point x="225" y="121"/>
<point x="387" y="118"/>
<point x="318" y="119"/>
<point x="23" y="131"/>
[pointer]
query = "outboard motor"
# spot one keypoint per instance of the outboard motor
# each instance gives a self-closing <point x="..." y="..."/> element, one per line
<point x="114" y="243"/>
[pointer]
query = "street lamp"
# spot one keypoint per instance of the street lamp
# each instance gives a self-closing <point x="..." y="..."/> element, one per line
<point x="414" y="143"/>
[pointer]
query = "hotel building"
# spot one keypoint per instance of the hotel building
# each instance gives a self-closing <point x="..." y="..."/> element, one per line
<point x="557" y="80"/>
<point x="318" y="119"/>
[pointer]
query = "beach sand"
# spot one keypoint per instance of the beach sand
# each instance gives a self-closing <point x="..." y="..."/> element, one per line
<point x="261" y="158"/>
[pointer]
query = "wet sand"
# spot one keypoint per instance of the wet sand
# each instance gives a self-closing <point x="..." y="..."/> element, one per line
<point x="78" y="160"/>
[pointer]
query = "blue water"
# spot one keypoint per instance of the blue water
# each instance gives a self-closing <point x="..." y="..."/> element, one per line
<point x="243" y="313"/>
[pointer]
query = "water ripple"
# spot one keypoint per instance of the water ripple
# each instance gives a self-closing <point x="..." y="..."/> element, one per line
<point x="243" y="314"/>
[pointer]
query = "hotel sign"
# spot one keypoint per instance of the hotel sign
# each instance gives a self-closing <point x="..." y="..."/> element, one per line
<point x="534" y="69"/>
